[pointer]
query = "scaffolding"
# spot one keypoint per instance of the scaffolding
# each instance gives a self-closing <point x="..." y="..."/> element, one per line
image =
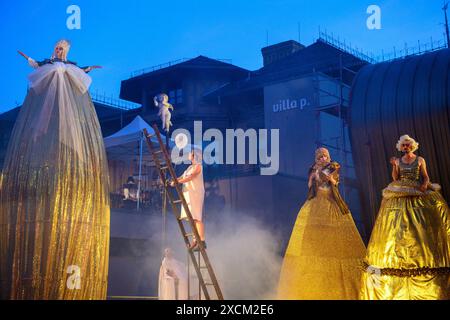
<point x="395" y="53"/>
<point x="331" y="96"/>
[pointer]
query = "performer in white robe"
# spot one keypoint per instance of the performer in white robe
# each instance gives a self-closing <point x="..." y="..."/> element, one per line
<point x="194" y="193"/>
<point x="172" y="278"/>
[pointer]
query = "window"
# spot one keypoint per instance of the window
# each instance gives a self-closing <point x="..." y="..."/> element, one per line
<point x="176" y="96"/>
<point x="179" y="96"/>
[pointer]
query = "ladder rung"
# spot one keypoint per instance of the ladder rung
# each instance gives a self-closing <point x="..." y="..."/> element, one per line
<point x="189" y="235"/>
<point x="209" y="284"/>
<point x="164" y="167"/>
<point x="158" y="151"/>
<point x="177" y="201"/>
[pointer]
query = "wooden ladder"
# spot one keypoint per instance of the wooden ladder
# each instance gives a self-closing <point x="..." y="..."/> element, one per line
<point x="163" y="164"/>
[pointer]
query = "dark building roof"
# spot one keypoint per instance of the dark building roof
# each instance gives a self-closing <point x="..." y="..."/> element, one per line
<point x="407" y="96"/>
<point x="131" y="89"/>
<point x="319" y="56"/>
<point x="280" y="51"/>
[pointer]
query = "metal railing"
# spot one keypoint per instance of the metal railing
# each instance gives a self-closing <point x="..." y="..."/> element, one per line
<point x="406" y="51"/>
<point x="396" y="53"/>
<point x="166" y="65"/>
<point x="110" y="101"/>
<point x="344" y="46"/>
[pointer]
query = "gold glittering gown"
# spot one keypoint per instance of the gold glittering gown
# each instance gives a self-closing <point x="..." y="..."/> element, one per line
<point x="408" y="253"/>
<point x="324" y="255"/>
<point x="54" y="204"/>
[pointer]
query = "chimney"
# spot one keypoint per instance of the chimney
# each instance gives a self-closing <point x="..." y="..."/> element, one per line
<point x="280" y="51"/>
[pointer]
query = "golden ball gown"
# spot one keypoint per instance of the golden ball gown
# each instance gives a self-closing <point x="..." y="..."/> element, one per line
<point x="408" y="252"/>
<point x="54" y="203"/>
<point x="324" y="255"/>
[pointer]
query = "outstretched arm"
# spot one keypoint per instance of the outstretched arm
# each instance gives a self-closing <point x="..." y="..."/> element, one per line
<point x="23" y="54"/>
<point x="90" y="68"/>
<point x="31" y="61"/>
<point x="423" y="171"/>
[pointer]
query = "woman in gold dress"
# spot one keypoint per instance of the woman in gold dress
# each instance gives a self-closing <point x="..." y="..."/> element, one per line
<point x="54" y="203"/>
<point x="408" y="253"/>
<point x="325" y="250"/>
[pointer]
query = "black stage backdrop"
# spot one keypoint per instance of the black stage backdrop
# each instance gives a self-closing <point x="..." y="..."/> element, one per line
<point x="405" y="96"/>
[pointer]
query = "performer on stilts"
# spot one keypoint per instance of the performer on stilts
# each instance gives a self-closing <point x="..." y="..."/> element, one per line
<point x="194" y="193"/>
<point x="54" y="199"/>
<point x="408" y="256"/>
<point x="325" y="252"/>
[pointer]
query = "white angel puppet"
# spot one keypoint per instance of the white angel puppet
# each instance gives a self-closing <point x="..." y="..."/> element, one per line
<point x="162" y="102"/>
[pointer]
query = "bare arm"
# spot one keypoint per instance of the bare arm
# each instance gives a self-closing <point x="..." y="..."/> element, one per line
<point x="196" y="171"/>
<point x="171" y="274"/>
<point x="395" y="170"/>
<point x="310" y="180"/>
<point x="30" y="60"/>
<point x="87" y="69"/>
<point x="424" y="173"/>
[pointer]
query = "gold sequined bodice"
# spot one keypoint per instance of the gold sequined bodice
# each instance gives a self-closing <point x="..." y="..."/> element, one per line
<point x="409" y="172"/>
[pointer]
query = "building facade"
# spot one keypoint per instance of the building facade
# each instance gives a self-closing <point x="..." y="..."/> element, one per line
<point x="301" y="91"/>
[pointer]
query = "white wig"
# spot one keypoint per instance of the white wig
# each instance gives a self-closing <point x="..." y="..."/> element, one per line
<point x="407" y="139"/>
<point x="65" y="44"/>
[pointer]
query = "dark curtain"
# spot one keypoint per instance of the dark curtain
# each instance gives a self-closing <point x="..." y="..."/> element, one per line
<point x="407" y="96"/>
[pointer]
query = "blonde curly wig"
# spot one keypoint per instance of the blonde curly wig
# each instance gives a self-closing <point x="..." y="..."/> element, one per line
<point x="407" y="139"/>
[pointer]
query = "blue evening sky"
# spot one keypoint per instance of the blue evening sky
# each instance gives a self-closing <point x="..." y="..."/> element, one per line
<point x="124" y="36"/>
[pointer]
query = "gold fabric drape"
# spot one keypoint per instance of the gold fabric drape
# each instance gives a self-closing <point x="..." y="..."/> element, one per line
<point x="408" y="256"/>
<point x="54" y="204"/>
<point x="324" y="253"/>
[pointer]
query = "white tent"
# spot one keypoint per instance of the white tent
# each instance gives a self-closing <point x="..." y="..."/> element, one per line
<point x="128" y="142"/>
<point x="132" y="132"/>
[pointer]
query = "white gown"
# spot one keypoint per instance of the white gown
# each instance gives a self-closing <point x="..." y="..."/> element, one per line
<point x="54" y="199"/>
<point x="194" y="193"/>
<point x="168" y="288"/>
